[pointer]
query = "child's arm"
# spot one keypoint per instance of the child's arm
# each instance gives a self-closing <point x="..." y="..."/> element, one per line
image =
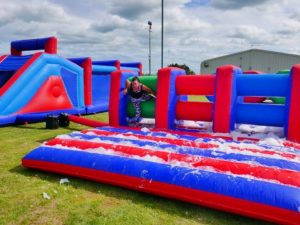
<point x="145" y="88"/>
<point x="125" y="91"/>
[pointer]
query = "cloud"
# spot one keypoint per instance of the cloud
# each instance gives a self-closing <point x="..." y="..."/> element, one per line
<point x="295" y="15"/>
<point x="253" y="34"/>
<point x="30" y="11"/>
<point x="235" y="4"/>
<point x="108" y="23"/>
<point x="132" y="9"/>
<point x="289" y="28"/>
<point x="194" y="30"/>
<point x="197" y="3"/>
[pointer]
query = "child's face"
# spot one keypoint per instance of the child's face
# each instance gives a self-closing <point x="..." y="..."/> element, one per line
<point x="135" y="85"/>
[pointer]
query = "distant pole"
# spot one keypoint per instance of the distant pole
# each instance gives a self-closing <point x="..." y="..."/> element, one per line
<point x="162" y="33"/>
<point x="150" y="27"/>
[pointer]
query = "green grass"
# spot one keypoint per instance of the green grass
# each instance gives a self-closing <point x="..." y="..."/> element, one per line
<point x="81" y="201"/>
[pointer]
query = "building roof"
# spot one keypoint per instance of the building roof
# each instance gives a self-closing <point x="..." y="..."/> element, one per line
<point x="252" y="50"/>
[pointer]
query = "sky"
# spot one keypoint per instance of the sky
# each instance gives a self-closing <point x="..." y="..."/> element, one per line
<point x="194" y="30"/>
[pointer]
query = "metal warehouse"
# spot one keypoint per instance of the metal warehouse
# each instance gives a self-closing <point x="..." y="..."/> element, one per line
<point x="253" y="59"/>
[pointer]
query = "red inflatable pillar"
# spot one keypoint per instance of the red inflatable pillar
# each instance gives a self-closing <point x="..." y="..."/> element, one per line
<point x="165" y="109"/>
<point x="118" y="64"/>
<point x="292" y="127"/>
<point x="87" y="74"/>
<point x="140" y="67"/>
<point x="114" y="98"/>
<point x="225" y="97"/>
<point x="15" y="52"/>
<point x="117" y="109"/>
<point x="51" y="45"/>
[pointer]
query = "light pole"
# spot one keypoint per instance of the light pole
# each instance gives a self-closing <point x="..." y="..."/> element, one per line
<point x="150" y="27"/>
<point x="162" y="33"/>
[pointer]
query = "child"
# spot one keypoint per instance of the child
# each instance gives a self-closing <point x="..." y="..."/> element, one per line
<point x="137" y="93"/>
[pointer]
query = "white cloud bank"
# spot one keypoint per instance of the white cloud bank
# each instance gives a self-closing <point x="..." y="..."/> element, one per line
<point x="194" y="30"/>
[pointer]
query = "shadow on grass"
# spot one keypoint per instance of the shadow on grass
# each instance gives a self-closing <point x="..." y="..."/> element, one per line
<point x="179" y="208"/>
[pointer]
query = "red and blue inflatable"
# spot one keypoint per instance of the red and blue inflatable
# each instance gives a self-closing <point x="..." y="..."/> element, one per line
<point x="44" y="83"/>
<point x="238" y="175"/>
<point x="32" y="85"/>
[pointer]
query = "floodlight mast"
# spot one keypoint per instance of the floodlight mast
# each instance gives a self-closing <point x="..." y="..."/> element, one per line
<point x="150" y="30"/>
<point x="162" y="33"/>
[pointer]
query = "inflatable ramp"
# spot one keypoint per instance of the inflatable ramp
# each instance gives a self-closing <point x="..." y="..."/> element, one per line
<point x="250" y="179"/>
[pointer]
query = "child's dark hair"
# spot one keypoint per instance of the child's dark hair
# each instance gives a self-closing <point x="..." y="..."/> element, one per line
<point x="135" y="79"/>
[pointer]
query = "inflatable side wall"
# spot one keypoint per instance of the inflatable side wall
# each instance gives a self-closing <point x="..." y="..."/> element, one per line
<point x="86" y="64"/>
<point x="101" y="71"/>
<point x="133" y="66"/>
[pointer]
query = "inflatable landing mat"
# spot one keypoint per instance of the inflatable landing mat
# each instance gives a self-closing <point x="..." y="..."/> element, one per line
<point x="246" y="178"/>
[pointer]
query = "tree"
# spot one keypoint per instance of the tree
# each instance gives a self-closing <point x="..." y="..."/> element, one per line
<point x="183" y="66"/>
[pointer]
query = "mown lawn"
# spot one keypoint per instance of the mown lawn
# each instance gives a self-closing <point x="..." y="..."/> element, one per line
<point x="81" y="201"/>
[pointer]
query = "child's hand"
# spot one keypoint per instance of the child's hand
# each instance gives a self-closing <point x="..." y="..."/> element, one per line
<point x="152" y="95"/>
<point x="125" y="91"/>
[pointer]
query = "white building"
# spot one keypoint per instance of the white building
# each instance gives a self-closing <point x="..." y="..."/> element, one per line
<point x="253" y="59"/>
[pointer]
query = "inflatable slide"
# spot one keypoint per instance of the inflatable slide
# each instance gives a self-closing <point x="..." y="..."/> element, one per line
<point x="32" y="86"/>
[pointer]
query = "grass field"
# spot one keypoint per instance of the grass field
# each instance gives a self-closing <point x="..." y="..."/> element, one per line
<point x="81" y="201"/>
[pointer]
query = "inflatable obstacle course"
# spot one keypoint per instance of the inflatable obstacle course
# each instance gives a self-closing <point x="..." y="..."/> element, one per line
<point x="232" y="173"/>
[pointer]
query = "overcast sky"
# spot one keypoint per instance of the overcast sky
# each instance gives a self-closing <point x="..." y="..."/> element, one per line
<point x="195" y="30"/>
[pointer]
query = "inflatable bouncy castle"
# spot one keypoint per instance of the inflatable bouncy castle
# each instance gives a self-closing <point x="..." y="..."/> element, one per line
<point x="233" y="173"/>
<point x="37" y="85"/>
